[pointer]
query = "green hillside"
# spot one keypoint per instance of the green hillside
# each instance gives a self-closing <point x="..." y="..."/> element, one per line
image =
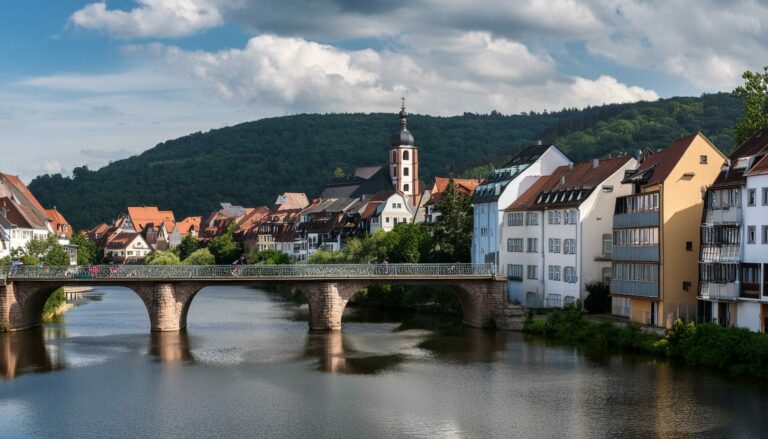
<point x="253" y="162"/>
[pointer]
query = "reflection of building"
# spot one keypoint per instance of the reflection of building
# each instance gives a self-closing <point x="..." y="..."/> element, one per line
<point x="334" y="354"/>
<point x="24" y="352"/>
<point x="655" y="247"/>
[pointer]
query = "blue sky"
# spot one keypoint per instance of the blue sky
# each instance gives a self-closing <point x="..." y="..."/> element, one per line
<point x="87" y="82"/>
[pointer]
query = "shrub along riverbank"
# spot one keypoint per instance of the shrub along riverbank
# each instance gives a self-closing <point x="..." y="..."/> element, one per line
<point x="733" y="350"/>
<point x="56" y="305"/>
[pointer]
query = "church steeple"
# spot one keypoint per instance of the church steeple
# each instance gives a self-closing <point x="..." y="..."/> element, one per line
<point x="403" y="159"/>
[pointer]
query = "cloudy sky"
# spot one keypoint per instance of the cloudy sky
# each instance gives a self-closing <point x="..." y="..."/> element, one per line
<point x="86" y="82"/>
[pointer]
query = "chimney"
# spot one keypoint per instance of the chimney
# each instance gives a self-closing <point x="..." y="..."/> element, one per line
<point x="538" y="142"/>
<point x="562" y="180"/>
<point x="570" y="166"/>
<point x="595" y="163"/>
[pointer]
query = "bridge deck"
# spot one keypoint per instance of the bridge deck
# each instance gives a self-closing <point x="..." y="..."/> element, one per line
<point x="243" y="273"/>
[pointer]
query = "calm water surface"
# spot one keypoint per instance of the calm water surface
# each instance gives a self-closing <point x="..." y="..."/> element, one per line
<point x="248" y="367"/>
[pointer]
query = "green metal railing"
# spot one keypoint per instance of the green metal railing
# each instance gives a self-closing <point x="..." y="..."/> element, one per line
<point x="154" y="272"/>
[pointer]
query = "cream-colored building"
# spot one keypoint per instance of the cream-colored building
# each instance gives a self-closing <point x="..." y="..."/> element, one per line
<point x="656" y="233"/>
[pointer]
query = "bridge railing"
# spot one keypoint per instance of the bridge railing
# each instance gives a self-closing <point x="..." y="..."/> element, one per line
<point x="248" y="271"/>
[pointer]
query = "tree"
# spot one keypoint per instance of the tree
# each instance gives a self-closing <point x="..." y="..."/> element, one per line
<point x="321" y="256"/>
<point x="224" y="248"/>
<point x="87" y="251"/>
<point x="598" y="300"/>
<point x="269" y="257"/>
<point x="754" y="94"/>
<point x="201" y="256"/>
<point x="4" y="262"/>
<point x="339" y="173"/>
<point x="452" y="231"/>
<point x="188" y="246"/>
<point x="46" y="250"/>
<point x="409" y="243"/>
<point x="162" y="258"/>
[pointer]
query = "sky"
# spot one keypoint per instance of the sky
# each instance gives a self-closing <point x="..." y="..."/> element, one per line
<point x="89" y="82"/>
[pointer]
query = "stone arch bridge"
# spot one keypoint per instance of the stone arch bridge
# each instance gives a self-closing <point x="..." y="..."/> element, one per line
<point x="167" y="291"/>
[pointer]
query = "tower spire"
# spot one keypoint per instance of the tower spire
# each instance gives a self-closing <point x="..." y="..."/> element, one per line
<point x="403" y="114"/>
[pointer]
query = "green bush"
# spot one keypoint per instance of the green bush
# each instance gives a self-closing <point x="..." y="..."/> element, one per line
<point x="200" y="257"/>
<point x="162" y="258"/>
<point x="56" y="299"/>
<point x="598" y="300"/>
<point x="269" y="257"/>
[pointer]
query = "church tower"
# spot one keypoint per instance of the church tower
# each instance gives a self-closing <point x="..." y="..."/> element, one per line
<point x="404" y="160"/>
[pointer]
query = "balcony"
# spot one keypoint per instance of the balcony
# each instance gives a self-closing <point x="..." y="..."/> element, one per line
<point x="636" y="253"/>
<point x="730" y="215"/>
<point x="648" y="218"/>
<point x="720" y="253"/>
<point x="750" y="290"/>
<point x="635" y="288"/>
<point x="718" y="291"/>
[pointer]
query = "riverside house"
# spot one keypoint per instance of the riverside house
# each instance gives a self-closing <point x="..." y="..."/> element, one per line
<point x="655" y="238"/>
<point x="557" y="235"/>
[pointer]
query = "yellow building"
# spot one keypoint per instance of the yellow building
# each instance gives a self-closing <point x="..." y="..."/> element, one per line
<point x="656" y="233"/>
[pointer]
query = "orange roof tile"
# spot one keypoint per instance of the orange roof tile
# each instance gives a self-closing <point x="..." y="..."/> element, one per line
<point x="57" y="221"/>
<point x="141" y="216"/>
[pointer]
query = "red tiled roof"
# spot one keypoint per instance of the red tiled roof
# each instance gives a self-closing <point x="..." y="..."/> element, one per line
<point x="21" y="187"/>
<point x="467" y="185"/>
<point x="579" y="180"/>
<point x="121" y="240"/>
<point x="755" y="145"/>
<point x="58" y="220"/>
<point x="760" y="168"/>
<point x="187" y="224"/>
<point x="141" y="216"/>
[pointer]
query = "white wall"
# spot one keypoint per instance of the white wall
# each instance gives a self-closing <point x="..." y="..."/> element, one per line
<point x="748" y="315"/>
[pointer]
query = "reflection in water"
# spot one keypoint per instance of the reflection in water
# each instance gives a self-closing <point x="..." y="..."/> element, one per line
<point x="26" y="352"/>
<point x="335" y="354"/>
<point x="466" y="345"/>
<point x="171" y="347"/>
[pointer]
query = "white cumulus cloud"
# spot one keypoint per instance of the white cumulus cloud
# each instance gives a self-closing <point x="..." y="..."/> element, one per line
<point x="152" y="18"/>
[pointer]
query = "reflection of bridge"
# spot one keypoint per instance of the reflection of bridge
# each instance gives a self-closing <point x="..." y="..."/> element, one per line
<point x="167" y="291"/>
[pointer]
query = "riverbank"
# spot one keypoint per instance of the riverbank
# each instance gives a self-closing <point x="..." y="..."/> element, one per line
<point x="735" y="351"/>
<point x="56" y="305"/>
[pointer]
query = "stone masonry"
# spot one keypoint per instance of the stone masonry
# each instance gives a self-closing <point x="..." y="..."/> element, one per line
<point x="484" y="301"/>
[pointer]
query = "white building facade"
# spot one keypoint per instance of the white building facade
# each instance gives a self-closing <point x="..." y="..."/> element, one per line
<point x="500" y="190"/>
<point x="558" y="234"/>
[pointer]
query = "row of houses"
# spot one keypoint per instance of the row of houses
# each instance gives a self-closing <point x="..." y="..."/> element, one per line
<point x="372" y="198"/>
<point x="677" y="233"/>
<point x="23" y="218"/>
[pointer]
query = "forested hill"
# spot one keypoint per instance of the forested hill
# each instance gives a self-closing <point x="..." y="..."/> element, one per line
<point x="253" y="162"/>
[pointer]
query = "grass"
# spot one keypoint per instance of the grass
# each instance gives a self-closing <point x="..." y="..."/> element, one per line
<point x="53" y="305"/>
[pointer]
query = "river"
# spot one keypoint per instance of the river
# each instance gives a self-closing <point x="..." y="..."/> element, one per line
<point x="247" y="366"/>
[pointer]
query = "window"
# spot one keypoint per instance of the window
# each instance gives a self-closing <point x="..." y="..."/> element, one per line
<point x="532" y="219"/>
<point x="607" y="275"/>
<point x="554" y="245"/>
<point x="751" y="235"/>
<point x="637" y="203"/>
<point x="515" y="219"/>
<point x="703" y="159"/>
<point x="607" y="245"/>
<point x="554" y="272"/>
<point x="765" y="196"/>
<point x="394" y="205"/>
<point x="394" y="171"/>
<point x="515" y="272"/>
<point x="394" y="156"/>
<point x="515" y="245"/>
<point x="406" y="187"/>
<point x="553" y="217"/>
<point x="406" y="172"/>
<point x="571" y="216"/>
<point x="636" y="272"/>
<point x="764" y="235"/>
<point x="386" y="220"/>
<point x="405" y="156"/>
<point x="689" y="246"/>
<point x="637" y="236"/>
<point x="569" y="274"/>
<point x="483" y="231"/>
<point x="750" y="197"/>
<point x="533" y="272"/>
<point x="533" y="245"/>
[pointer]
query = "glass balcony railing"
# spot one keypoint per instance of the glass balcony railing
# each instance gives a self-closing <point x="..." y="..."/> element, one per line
<point x="636" y="253"/>
<point x="648" y="218"/>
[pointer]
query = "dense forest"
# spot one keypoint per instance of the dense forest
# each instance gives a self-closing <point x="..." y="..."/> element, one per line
<point x="251" y="163"/>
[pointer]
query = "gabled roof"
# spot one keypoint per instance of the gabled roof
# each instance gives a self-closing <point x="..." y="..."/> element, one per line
<point x="141" y="216"/>
<point x="567" y="186"/>
<point x="21" y="215"/>
<point x="123" y="239"/>
<point x="58" y="220"/>
<point x="490" y="190"/>
<point x="291" y="200"/>
<point x="760" y="168"/>
<point x="757" y="144"/>
<point x="17" y="192"/>
<point x="657" y="167"/>
<point x="464" y="185"/>
<point x="187" y="224"/>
